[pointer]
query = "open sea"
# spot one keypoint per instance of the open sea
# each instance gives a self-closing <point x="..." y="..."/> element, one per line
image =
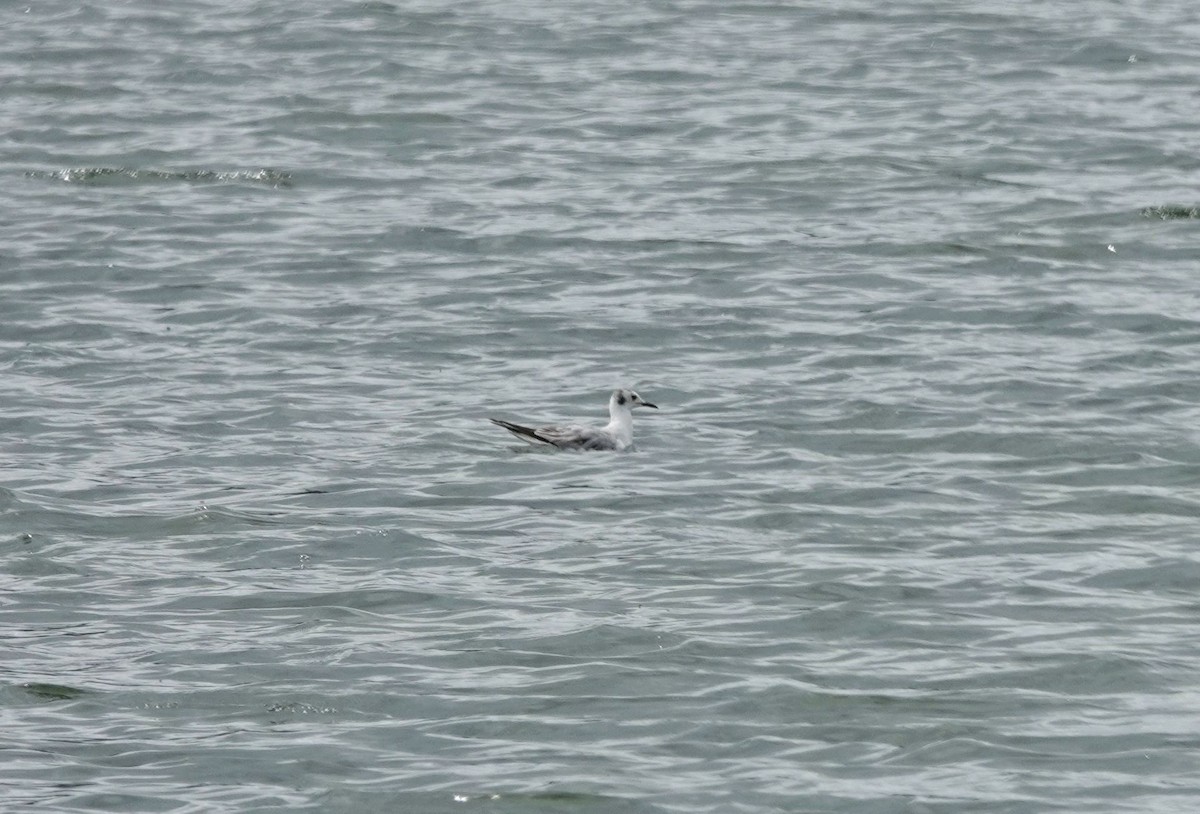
<point x="915" y="285"/>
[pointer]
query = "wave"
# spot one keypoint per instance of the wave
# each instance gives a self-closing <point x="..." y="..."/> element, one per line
<point x="127" y="175"/>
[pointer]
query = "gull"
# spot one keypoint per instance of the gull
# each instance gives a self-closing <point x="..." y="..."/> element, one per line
<point x="616" y="435"/>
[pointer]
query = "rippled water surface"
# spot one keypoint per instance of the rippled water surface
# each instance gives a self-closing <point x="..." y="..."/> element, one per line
<point x="915" y="286"/>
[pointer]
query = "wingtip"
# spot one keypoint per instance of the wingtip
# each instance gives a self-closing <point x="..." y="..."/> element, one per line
<point x="520" y="431"/>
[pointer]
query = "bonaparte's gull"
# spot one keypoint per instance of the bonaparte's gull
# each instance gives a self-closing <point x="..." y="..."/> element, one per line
<point x="616" y="435"/>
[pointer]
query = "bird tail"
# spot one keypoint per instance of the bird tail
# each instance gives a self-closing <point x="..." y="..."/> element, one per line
<point x="527" y="434"/>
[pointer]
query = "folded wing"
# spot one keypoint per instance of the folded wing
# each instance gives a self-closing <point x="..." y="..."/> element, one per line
<point x="571" y="437"/>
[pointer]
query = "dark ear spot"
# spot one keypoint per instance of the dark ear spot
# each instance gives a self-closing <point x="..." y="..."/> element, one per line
<point x="621" y="399"/>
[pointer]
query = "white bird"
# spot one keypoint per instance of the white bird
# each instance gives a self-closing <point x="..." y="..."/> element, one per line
<point x="616" y="435"/>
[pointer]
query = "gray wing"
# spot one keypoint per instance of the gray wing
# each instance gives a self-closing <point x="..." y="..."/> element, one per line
<point x="571" y="437"/>
<point x="576" y="437"/>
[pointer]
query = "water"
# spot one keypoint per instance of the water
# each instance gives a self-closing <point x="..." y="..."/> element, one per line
<point x="913" y="284"/>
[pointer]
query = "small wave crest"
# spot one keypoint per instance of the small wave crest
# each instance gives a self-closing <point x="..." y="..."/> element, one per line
<point x="1172" y="212"/>
<point x="126" y="175"/>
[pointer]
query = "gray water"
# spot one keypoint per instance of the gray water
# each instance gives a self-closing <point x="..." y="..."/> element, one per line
<point x="915" y="286"/>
